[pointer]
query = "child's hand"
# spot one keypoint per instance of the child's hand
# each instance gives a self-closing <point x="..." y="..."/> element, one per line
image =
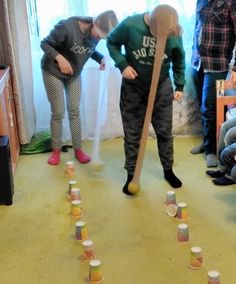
<point x="129" y="73"/>
<point x="102" y="64"/>
<point x="178" y="95"/>
<point x="64" y="65"/>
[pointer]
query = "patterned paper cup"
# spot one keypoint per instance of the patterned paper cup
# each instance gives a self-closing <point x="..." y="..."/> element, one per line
<point x="170" y="197"/>
<point x="81" y="233"/>
<point x="89" y="252"/>
<point x="213" y="277"/>
<point x="95" y="272"/>
<point x="171" y="210"/>
<point x="196" y="259"/>
<point x="76" y="211"/>
<point x="75" y="194"/>
<point x="70" y="168"/>
<point x="72" y="184"/>
<point x="182" y="212"/>
<point x="182" y="234"/>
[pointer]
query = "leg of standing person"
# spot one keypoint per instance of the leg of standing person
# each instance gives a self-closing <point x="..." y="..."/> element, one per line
<point x="198" y="77"/>
<point x="208" y="112"/>
<point x="228" y="159"/>
<point x="72" y="87"/>
<point x="133" y="101"/>
<point x="55" y="93"/>
<point x="227" y="136"/>
<point x="162" y="124"/>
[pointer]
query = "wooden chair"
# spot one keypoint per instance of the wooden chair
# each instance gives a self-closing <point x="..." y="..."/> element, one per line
<point x="222" y="101"/>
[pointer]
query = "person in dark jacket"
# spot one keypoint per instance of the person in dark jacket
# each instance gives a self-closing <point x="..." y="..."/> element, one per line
<point x="212" y="52"/>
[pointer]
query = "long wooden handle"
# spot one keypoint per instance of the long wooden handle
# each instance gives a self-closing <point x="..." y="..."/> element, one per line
<point x="160" y="47"/>
<point x="163" y="22"/>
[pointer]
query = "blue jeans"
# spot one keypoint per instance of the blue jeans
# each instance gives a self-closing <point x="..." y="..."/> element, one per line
<point x="206" y="87"/>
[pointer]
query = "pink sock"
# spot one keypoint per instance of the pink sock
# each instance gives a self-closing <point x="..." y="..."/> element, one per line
<point x="54" y="158"/>
<point x="82" y="157"/>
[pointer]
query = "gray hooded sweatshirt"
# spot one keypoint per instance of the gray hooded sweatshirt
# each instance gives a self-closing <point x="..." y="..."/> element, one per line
<point x="75" y="45"/>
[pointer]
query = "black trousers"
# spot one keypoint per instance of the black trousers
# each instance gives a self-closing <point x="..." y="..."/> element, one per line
<point x="133" y="104"/>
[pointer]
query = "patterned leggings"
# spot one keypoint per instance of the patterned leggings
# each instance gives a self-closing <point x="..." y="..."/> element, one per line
<point x="55" y="89"/>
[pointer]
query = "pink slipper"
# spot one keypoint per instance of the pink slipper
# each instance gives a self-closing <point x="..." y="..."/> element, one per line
<point x="82" y="157"/>
<point x="54" y="159"/>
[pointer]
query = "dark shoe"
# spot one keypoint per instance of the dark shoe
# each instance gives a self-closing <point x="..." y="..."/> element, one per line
<point x="215" y="174"/>
<point x="223" y="181"/>
<point x="197" y="149"/>
<point x="125" y="187"/>
<point x="172" y="179"/>
<point x="211" y="160"/>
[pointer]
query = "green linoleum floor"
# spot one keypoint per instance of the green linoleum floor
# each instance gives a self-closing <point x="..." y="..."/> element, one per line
<point x="133" y="236"/>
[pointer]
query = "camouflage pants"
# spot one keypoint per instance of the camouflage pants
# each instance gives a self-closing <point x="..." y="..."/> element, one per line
<point x="133" y="104"/>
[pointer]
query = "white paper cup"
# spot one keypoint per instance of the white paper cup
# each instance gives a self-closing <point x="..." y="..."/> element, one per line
<point x="196" y="258"/>
<point x="170" y="197"/>
<point x="171" y="210"/>
<point x="183" y="233"/>
<point x="213" y="277"/>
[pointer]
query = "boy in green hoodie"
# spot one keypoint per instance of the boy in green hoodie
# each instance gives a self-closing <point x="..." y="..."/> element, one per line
<point x="136" y="65"/>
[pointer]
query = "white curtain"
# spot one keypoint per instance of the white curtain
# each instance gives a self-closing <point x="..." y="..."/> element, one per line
<point x="183" y="116"/>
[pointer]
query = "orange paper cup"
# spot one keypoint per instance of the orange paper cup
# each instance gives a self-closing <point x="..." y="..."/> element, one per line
<point x="95" y="272"/>
<point x="196" y="259"/>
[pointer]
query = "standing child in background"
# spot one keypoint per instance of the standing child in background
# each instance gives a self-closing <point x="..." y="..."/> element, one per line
<point x="136" y="66"/>
<point x="66" y="50"/>
<point x="213" y="45"/>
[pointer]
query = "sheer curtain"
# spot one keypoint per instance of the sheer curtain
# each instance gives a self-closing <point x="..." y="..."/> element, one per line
<point x="91" y="76"/>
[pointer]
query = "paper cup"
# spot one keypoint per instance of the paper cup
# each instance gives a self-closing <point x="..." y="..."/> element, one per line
<point x="182" y="234"/>
<point x="196" y="259"/>
<point x="213" y="277"/>
<point x="75" y="194"/>
<point x="70" y="168"/>
<point x="171" y="210"/>
<point x="170" y="197"/>
<point x="89" y="252"/>
<point x="81" y="232"/>
<point x="182" y="212"/>
<point x="72" y="184"/>
<point x="76" y="211"/>
<point x="95" y="272"/>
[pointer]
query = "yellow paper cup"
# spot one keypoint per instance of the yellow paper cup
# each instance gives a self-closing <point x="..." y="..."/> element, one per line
<point x="95" y="272"/>
<point x="76" y="211"/>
